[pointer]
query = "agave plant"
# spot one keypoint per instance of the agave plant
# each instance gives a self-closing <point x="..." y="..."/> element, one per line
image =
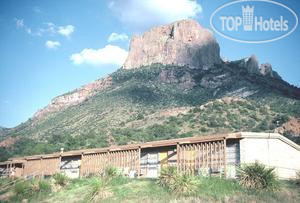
<point x="60" y="179"/>
<point x="167" y="176"/>
<point x="184" y="184"/>
<point x="257" y="176"/>
<point x="178" y="183"/>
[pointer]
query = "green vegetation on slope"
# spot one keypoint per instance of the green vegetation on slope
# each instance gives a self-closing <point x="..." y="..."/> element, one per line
<point x="141" y="106"/>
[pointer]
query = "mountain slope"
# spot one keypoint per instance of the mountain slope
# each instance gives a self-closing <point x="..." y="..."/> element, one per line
<point x="3" y="131"/>
<point x="162" y="102"/>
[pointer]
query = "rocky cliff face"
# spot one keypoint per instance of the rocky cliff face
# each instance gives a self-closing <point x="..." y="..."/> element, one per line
<point x="252" y="65"/>
<point x="73" y="98"/>
<point x="181" y="43"/>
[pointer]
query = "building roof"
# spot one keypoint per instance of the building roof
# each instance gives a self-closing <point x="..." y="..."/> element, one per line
<point x="152" y="144"/>
<point x="160" y="143"/>
<point x="269" y="136"/>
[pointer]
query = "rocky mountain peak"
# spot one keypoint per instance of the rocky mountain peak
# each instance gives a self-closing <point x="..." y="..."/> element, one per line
<point x="266" y="70"/>
<point x="180" y="43"/>
<point x="252" y="65"/>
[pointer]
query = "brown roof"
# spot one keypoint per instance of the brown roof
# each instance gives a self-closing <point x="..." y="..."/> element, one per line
<point x="159" y="143"/>
<point x="14" y="161"/>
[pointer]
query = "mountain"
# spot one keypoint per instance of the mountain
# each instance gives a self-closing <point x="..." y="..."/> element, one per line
<point x="3" y="131"/>
<point x="181" y="43"/>
<point x="173" y="84"/>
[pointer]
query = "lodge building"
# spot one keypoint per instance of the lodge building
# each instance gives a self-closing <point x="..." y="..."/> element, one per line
<point x="206" y="155"/>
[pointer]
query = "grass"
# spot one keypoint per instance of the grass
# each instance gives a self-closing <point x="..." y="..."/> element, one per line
<point x="122" y="189"/>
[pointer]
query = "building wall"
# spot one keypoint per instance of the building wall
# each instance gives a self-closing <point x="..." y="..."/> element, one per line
<point x="32" y="167"/>
<point x="232" y="157"/>
<point x="41" y="167"/>
<point x="125" y="160"/>
<point x="205" y="158"/>
<point x="272" y="152"/>
<point x="70" y="166"/>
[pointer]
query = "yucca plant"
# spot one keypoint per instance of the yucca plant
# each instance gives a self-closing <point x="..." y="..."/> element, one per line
<point x="184" y="185"/>
<point x="60" y="179"/>
<point x="99" y="189"/>
<point x="167" y="176"/>
<point x="257" y="176"/>
<point x="111" y="172"/>
<point x="177" y="183"/>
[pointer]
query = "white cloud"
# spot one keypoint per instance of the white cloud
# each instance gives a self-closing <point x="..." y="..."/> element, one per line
<point x="110" y="54"/>
<point x="148" y="13"/>
<point x="19" y="22"/>
<point x="52" y="44"/>
<point x="47" y="28"/>
<point x="66" y="30"/>
<point x="117" y="37"/>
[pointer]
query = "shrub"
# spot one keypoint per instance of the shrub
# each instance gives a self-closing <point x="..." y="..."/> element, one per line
<point x="23" y="190"/>
<point x="60" y="179"/>
<point x="177" y="183"/>
<point x="184" y="185"/>
<point x="257" y="176"/>
<point x="44" y="186"/>
<point x="29" y="189"/>
<point x="100" y="188"/>
<point x="167" y="176"/>
<point x="111" y="172"/>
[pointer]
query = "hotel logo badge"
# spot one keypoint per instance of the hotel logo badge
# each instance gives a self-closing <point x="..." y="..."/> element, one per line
<point x="248" y="17"/>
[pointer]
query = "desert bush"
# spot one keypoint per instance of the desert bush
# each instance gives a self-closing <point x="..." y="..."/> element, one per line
<point x="178" y="183"/>
<point x="167" y="176"/>
<point x="99" y="190"/>
<point x="44" y="186"/>
<point x="30" y="188"/>
<point x="23" y="190"/>
<point x="184" y="185"/>
<point x="111" y="172"/>
<point x="60" y="179"/>
<point x="40" y="186"/>
<point x="257" y="176"/>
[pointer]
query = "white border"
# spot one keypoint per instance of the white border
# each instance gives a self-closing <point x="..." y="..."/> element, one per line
<point x="244" y="41"/>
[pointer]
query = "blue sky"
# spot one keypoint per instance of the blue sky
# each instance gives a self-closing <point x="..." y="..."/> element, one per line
<point x="50" y="47"/>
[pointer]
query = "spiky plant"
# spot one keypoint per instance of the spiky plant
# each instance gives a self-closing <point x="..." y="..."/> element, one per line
<point x="167" y="176"/>
<point x="184" y="185"/>
<point x="257" y="176"/>
<point x="99" y="189"/>
<point x="178" y="183"/>
<point x="60" y="179"/>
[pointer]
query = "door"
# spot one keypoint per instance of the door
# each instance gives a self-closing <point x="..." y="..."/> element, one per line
<point x="152" y="165"/>
<point x="163" y="159"/>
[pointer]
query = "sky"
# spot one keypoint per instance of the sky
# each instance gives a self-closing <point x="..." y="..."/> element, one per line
<point x="50" y="47"/>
